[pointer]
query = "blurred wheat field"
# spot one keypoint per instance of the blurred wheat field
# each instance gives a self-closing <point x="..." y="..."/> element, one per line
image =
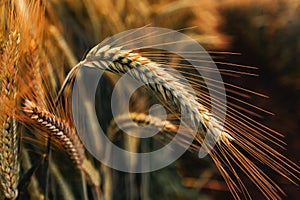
<point x="41" y="155"/>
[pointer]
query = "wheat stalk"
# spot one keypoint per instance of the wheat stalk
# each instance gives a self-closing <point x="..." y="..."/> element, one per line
<point x="33" y="187"/>
<point x="66" y="194"/>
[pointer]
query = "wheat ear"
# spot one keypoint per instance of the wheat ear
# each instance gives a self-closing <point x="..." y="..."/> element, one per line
<point x="66" y="136"/>
<point x="141" y="119"/>
<point x="156" y="78"/>
<point x="9" y="136"/>
<point x="240" y="131"/>
<point x="161" y="81"/>
<point x="59" y="129"/>
<point x="167" y="128"/>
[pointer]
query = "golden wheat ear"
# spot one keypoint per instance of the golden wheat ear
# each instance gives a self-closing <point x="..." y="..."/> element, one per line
<point x="240" y="132"/>
<point x="9" y="135"/>
<point x="66" y="136"/>
<point x="58" y="129"/>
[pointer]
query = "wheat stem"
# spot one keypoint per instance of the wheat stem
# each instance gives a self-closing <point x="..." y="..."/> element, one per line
<point x="65" y="188"/>
<point x="33" y="188"/>
<point x="63" y="45"/>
